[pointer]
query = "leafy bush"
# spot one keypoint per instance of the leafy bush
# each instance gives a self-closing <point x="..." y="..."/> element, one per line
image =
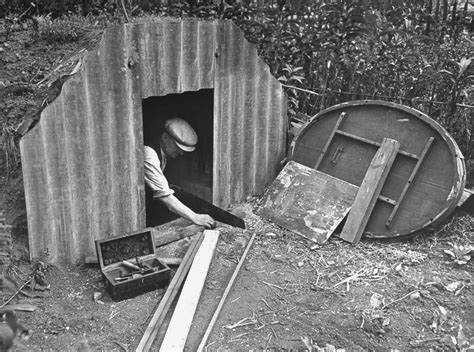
<point x="64" y="29"/>
<point x="327" y="52"/>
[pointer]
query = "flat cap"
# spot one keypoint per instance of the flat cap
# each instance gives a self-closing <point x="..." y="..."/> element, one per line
<point x="182" y="133"/>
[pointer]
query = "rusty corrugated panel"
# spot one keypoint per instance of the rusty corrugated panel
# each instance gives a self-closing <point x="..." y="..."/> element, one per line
<point x="82" y="163"/>
<point x="250" y="119"/>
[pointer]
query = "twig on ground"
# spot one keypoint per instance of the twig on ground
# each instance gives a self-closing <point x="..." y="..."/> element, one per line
<point x="267" y="342"/>
<point x="114" y="314"/>
<point x="274" y="333"/>
<point x="242" y="322"/>
<point x="399" y="299"/>
<point x="419" y="342"/>
<point x="237" y="338"/>
<point x="352" y="277"/>
<point x="263" y="300"/>
<point x="273" y="285"/>
<point x="17" y="292"/>
<point x="209" y="345"/>
<point x="122" y="346"/>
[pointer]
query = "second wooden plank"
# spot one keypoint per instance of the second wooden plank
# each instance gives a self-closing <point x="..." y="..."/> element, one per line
<point x="369" y="190"/>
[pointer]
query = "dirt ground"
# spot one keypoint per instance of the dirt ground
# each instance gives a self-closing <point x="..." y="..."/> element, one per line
<point x="290" y="295"/>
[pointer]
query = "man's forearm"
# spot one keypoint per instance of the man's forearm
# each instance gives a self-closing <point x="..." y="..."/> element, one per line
<point x="177" y="207"/>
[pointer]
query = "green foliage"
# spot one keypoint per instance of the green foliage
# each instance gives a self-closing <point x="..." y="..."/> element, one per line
<point x="61" y="30"/>
<point x="410" y="52"/>
<point x="345" y="50"/>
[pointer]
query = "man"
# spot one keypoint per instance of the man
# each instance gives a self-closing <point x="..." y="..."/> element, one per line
<point x="178" y="137"/>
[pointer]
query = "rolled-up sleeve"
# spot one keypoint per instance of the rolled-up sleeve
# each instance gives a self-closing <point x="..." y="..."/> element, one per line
<point x="154" y="176"/>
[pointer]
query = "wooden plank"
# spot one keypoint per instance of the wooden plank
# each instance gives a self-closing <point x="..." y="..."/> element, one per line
<point x="174" y="231"/>
<point x="331" y="136"/>
<point x="178" y="328"/>
<point x="377" y="144"/>
<point x="369" y="190"/>
<point x="409" y="182"/>
<point x="202" y="345"/>
<point x="307" y="202"/>
<point x="170" y="294"/>
<point x="387" y="200"/>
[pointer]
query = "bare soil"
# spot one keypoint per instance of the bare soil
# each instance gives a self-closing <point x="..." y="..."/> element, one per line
<point x="290" y="293"/>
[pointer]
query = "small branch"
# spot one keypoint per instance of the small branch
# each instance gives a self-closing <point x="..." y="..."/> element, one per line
<point x="124" y="9"/>
<point x="348" y="279"/>
<point x="17" y="292"/>
<point x="122" y="346"/>
<point x="399" y="299"/>
<point x="272" y="285"/>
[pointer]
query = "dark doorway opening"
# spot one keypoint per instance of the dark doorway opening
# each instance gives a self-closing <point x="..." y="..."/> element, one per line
<point x="191" y="171"/>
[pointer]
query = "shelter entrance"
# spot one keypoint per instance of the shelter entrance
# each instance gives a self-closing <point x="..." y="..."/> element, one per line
<point x="191" y="171"/>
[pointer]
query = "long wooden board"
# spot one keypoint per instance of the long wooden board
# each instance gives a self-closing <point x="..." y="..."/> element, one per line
<point x="307" y="202"/>
<point x="178" y="328"/>
<point x="167" y="300"/>
<point x="369" y="190"/>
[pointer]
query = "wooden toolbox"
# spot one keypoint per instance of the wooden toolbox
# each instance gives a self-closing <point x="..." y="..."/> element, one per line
<point x="129" y="264"/>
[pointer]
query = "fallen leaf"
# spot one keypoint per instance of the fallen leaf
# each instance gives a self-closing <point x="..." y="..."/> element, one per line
<point x="463" y="260"/>
<point x="97" y="297"/>
<point x="376" y="301"/>
<point x="450" y="253"/>
<point x="453" y="286"/>
<point x="434" y="324"/>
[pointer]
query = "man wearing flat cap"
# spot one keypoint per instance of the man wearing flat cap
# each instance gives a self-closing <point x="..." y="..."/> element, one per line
<point x="178" y="137"/>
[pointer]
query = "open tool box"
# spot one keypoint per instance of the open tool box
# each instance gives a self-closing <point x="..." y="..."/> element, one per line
<point x="129" y="265"/>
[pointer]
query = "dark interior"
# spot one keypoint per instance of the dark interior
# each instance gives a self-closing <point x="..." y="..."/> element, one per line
<point x="191" y="171"/>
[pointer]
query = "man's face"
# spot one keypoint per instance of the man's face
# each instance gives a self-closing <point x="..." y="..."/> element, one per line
<point x="170" y="148"/>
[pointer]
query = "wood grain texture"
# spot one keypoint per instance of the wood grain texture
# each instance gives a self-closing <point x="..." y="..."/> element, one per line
<point x="307" y="202"/>
<point x="369" y="191"/>
<point x="170" y="294"/>
<point x="178" y="328"/>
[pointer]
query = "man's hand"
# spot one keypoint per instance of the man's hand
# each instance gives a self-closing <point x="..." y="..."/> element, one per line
<point x="205" y="220"/>
<point x="175" y="205"/>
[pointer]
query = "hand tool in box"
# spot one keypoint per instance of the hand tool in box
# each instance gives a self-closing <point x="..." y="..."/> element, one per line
<point x="141" y="269"/>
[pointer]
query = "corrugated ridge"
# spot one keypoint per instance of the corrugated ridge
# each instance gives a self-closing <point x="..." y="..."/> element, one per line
<point x="176" y="56"/>
<point x="252" y="115"/>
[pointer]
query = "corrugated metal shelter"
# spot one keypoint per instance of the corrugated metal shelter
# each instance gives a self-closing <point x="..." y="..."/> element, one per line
<point x="83" y="161"/>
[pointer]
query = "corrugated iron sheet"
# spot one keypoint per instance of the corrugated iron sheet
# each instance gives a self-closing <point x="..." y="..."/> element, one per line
<point x="82" y="163"/>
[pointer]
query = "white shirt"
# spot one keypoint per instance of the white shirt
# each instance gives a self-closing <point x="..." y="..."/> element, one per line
<point x="154" y="176"/>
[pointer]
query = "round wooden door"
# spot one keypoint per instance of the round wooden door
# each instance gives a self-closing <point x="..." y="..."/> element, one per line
<point x="425" y="181"/>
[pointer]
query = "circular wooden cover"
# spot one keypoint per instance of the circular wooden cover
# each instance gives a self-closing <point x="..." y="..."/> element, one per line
<point x="425" y="181"/>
